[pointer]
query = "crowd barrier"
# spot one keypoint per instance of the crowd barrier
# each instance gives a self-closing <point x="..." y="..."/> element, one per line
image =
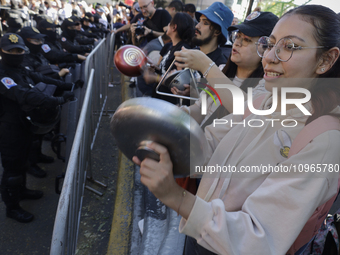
<point x="66" y="225"/>
<point x="160" y="228"/>
<point x="80" y="123"/>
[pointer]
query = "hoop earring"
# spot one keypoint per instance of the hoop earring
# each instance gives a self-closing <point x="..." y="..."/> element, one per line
<point x="322" y="69"/>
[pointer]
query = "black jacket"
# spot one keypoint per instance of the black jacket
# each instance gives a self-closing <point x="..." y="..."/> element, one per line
<point x="55" y="53"/>
<point x="34" y="61"/>
<point x="83" y="39"/>
<point x="72" y="46"/>
<point x="17" y="91"/>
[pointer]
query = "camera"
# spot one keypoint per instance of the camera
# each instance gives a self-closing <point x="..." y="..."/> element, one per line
<point x="139" y="30"/>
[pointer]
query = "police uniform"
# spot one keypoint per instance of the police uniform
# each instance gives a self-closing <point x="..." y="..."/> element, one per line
<point x="81" y="36"/>
<point x="35" y="60"/>
<point x="52" y="49"/>
<point x="91" y="32"/>
<point x="18" y="97"/>
<point x="99" y="31"/>
<point x="14" y="18"/>
<point x="68" y="41"/>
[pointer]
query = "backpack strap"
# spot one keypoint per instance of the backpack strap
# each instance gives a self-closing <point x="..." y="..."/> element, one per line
<point x="312" y="130"/>
<point x="306" y="135"/>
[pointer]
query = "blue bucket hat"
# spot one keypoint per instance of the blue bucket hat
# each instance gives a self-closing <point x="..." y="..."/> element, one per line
<point x="219" y="14"/>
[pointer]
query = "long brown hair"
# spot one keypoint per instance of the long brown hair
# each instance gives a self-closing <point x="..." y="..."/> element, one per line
<point x="230" y="70"/>
<point x="325" y="93"/>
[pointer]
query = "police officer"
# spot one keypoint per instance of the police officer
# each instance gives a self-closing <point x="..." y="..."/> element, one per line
<point x="88" y="28"/>
<point x="52" y="49"/>
<point x="35" y="60"/>
<point x="82" y="37"/>
<point x="94" y="28"/>
<point x="15" y="18"/>
<point x="18" y="96"/>
<point x="68" y="36"/>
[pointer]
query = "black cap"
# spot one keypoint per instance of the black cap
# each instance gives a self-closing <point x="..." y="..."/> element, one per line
<point x="68" y="23"/>
<point x="75" y="19"/>
<point x="10" y="41"/>
<point x="86" y="18"/>
<point x="31" y="32"/>
<point x="46" y="23"/>
<point x="257" y="24"/>
<point x="89" y="14"/>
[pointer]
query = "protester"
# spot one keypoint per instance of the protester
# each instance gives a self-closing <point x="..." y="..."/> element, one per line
<point x="254" y="212"/>
<point x="174" y="7"/>
<point x="243" y="67"/>
<point x="180" y="30"/>
<point x="191" y="9"/>
<point x="153" y="23"/>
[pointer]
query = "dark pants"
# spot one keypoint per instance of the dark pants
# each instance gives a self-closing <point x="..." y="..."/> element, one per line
<point x="192" y="248"/>
<point x="15" y="143"/>
<point x="35" y="150"/>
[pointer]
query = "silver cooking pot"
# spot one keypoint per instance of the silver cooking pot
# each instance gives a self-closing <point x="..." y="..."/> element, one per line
<point x="148" y="119"/>
<point x="178" y="79"/>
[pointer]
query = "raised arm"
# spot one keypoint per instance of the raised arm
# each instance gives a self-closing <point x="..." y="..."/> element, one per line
<point x="197" y="60"/>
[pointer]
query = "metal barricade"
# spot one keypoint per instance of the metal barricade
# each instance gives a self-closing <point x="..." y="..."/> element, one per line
<point x="98" y="60"/>
<point x="110" y="58"/>
<point x="66" y="225"/>
<point x="92" y="100"/>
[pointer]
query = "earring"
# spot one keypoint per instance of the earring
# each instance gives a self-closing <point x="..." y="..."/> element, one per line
<point x="322" y="69"/>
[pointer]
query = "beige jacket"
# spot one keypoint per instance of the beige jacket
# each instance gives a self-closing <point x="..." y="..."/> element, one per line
<point x="261" y="213"/>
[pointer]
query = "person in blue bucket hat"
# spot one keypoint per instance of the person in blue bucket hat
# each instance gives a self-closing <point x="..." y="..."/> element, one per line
<point x="220" y="15"/>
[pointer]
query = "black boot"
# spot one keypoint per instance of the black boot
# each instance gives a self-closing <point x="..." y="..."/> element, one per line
<point x="10" y="193"/>
<point x="26" y="193"/>
<point x="30" y="194"/>
<point x="36" y="171"/>
<point x="19" y="214"/>
<point x="42" y="158"/>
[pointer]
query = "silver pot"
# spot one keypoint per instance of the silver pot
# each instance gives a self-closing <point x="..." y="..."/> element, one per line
<point x="178" y="79"/>
<point x="147" y="119"/>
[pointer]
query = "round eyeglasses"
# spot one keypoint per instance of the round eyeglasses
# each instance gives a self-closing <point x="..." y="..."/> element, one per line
<point x="238" y="36"/>
<point x="284" y="48"/>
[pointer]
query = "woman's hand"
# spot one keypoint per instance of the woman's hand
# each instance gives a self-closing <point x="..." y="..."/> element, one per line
<point x="194" y="59"/>
<point x="159" y="179"/>
<point x="158" y="176"/>
<point x="185" y="92"/>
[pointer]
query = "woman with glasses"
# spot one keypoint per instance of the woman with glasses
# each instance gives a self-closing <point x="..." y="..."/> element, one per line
<point x="247" y="211"/>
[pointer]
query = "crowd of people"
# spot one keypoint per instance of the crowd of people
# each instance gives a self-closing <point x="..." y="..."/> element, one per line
<point x="240" y="212"/>
<point x="224" y="212"/>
